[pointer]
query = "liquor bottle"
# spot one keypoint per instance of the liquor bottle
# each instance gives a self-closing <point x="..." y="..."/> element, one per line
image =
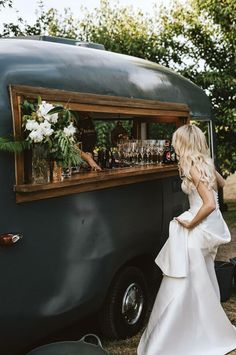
<point x="101" y="158"/>
<point x="111" y="159"/>
<point x="104" y="155"/>
<point x="173" y="157"/>
<point x="107" y="158"/>
<point x="167" y="153"/>
<point x="115" y="157"/>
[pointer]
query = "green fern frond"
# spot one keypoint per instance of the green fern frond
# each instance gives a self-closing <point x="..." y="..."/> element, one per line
<point x="13" y="146"/>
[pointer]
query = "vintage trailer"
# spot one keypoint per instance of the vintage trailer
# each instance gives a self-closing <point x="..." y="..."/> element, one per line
<point x="89" y="241"/>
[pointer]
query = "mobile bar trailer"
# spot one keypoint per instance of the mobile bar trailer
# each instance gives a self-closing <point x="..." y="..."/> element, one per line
<point x="89" y="241"/>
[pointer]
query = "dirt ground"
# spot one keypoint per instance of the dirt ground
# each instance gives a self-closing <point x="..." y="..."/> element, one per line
<point x="129" y="346"/>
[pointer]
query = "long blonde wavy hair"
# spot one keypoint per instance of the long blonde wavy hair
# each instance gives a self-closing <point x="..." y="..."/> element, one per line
<point x="191" y="148"/>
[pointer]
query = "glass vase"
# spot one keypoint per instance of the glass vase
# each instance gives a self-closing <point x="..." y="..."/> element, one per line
<point x="40" y="166"/>
<point x="66" y="172"/>
<point x="55" y="171"/>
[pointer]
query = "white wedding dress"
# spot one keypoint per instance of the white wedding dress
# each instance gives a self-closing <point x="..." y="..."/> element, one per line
<point x="187" y="317"/>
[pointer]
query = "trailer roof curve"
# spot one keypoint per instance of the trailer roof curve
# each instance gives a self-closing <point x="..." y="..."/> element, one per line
<point x="81" y="69"/>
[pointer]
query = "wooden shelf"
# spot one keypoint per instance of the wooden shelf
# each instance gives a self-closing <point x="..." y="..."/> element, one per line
<point x="139" y="110"/>
<point x="90" y="181"/>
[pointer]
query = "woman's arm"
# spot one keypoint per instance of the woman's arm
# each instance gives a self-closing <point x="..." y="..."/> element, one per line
<point x="220" y="180"/>
<point x="207" y="197"/>
<point x="88" y="158"/>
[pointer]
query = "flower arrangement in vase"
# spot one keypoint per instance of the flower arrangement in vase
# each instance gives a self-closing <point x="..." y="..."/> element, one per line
<point x="50" y="132"/>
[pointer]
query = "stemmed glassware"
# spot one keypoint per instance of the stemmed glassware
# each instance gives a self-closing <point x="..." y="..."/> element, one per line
<point x="148" y="153"/>
<point x="161" y="148"/>
<point x="136" y="153"/>
<point x="150" y="150"/>
<point x="140" y="152"/>
<point x="120" y="152"/>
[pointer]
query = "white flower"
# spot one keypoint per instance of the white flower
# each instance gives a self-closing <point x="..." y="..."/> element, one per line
<point x="69" y="130"/>
<point x="52" y="118"/>
<point x="45" y="128"/>
<point x="45" y="125"/>
<point x="36" y="136"/>
<point x="31" y="125"/>
<point x="43" y="109"/>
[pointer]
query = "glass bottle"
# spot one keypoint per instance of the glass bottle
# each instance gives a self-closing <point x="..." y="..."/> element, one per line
<point x="167" y="153"/>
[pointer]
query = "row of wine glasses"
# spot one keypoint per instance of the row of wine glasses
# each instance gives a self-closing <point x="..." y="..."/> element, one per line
<point x="140" y="152"/>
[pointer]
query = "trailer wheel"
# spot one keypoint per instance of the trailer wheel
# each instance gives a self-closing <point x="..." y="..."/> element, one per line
<point x="126" y="304"/>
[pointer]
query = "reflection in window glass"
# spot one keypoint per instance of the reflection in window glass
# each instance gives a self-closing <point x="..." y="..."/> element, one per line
<point x="161" y="130"/>
<point x="104" y="131"/>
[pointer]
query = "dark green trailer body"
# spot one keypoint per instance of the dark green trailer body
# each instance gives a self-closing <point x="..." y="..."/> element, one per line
<point x="74" y="245"/>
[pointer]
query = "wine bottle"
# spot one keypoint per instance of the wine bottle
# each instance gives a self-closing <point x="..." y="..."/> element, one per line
<point x="167" y="153"/>
<point x="173" y="157"/>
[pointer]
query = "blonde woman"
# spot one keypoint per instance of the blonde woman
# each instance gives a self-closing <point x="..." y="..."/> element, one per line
<point x="187" y="316"/>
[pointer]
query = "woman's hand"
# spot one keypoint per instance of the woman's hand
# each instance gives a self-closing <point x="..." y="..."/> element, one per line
<point x="208" y="201"/>
<point x="184" y="223"/>
<point x="94" y="166"/>
<point x="88" y="158"/>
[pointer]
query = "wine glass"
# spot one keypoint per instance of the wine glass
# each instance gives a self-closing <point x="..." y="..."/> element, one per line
<point x="126" y="150"/>
<point x="148" y="152"/>
<point x="120" y="152"/>
<point x="161" y="146"/>
<point x="136" y="153"/>
<point x="142" y="152"/>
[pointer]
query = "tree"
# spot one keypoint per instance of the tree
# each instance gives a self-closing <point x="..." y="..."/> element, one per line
<point x="196" y="39"/>
<point x="125" y="30"/>
<point x="49" y="22"/>
<point x="4" y="3"/>
<point x="204" y="33"/>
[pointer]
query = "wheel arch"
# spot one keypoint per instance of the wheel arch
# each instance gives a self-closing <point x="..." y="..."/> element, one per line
<point x="145" y="262"/>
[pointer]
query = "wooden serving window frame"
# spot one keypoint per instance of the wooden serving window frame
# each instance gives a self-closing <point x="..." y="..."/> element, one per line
<point x="143" y="110"/>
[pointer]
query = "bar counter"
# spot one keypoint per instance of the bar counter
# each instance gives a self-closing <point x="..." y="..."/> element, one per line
<point x="93" y="180"/>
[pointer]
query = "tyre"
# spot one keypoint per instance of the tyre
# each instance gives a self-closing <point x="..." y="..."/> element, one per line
<point x="126" y="304"/>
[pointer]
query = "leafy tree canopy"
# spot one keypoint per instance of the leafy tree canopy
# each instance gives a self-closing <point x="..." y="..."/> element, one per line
<point x="206" y="30"/>
<point x="196" y="39"/>
<point x="4" y="3"/>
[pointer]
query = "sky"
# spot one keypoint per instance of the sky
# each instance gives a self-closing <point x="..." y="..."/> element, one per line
<point x="26" y="8"/>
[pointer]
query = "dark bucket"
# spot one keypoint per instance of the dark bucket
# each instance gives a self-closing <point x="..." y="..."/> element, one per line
<point x="80" y="347"/>
<point x="224" y="273"/>
<point x="233" y="261"/>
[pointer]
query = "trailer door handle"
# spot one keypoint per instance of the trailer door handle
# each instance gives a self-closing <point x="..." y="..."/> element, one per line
<point x="8" y="239"/>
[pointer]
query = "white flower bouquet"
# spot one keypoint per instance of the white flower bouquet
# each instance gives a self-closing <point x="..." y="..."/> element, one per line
<point x="52" y="128"/>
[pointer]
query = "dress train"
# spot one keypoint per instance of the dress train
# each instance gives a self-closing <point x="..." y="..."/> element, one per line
<point x="187" y="317"/>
